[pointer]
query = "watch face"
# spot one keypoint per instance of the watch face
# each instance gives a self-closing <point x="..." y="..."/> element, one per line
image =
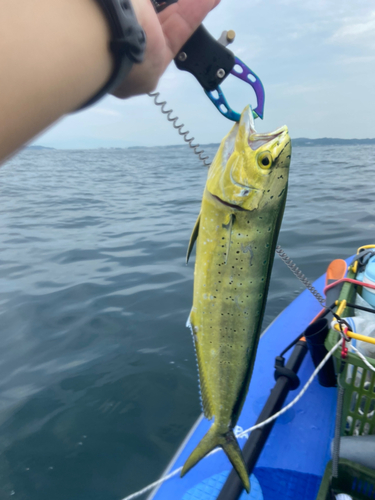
<point x="162" y="4"/>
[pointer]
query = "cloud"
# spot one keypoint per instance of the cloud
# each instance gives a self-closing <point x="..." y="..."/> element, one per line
<point x="296" y="89"/>
<point x="356" y="60"/>
<point x="361" y="31"/>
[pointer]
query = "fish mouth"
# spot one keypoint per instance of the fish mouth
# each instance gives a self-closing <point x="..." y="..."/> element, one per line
<point x="256" y="140"/>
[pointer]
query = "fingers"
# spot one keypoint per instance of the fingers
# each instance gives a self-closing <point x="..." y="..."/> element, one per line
<point x="166" y="33"/>
<point x="180" y="20"/>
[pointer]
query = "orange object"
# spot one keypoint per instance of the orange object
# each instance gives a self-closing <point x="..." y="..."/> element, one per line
<point x="336" y="271"/>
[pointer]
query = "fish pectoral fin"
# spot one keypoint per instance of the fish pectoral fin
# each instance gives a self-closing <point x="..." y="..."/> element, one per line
<point x="194" y="236"/>
<point x="229" y="443"/>
<point x="229" y="226"/>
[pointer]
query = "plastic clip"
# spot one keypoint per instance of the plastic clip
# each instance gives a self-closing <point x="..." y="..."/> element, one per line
<point x="343" y="328"/>
<point x="344" y="349"/>
<point x="282" y="371"/>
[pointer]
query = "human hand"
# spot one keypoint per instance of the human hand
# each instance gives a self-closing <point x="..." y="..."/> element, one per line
<point x="166" y="33"/>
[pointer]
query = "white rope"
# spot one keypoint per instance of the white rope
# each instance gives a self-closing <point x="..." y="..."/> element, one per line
<point x="297" y="398"/>
<point x="152" y="485"/>
<point x="261" y="424"/>
<point x="363" y="358"/>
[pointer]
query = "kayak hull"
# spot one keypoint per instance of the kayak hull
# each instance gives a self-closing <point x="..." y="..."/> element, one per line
<point x="293" y="460"/>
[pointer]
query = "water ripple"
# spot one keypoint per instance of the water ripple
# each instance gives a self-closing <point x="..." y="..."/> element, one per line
<point x="97" y="372"/>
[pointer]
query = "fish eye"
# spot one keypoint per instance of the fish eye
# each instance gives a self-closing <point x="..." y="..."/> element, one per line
<point x="265" y="160"/>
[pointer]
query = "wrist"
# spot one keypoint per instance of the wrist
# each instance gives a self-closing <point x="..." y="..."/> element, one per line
<point x="127" y="45"/>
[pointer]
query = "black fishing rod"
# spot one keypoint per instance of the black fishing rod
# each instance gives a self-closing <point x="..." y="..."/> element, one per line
<point x="287" y="380"/>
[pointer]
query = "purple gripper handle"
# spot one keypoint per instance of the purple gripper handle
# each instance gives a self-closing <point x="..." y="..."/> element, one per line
<point x="250" y="77"/>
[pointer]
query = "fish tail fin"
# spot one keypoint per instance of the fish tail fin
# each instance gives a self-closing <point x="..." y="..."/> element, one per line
<point x="229" y="443"/>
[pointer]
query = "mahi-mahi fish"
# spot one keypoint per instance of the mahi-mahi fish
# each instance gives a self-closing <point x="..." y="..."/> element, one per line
<point x="236" y="233"/>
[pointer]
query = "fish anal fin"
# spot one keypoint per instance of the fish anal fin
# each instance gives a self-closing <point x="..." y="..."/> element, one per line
<point x="194" y="236"/>
<point x="205" y="398"/>
<point x="203" y="391"/>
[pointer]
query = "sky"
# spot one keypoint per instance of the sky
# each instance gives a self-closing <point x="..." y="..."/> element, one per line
<point x="316" y="59"/>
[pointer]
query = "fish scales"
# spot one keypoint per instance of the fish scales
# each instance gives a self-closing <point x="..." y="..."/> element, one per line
<point x="230" y="284"/>
<point x="236" y="233"/>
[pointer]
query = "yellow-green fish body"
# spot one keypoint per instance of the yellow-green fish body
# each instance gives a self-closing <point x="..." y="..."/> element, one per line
<point x="237" y="230"/>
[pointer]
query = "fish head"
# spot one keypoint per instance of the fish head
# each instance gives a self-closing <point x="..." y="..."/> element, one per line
<point x="250" y="170"/>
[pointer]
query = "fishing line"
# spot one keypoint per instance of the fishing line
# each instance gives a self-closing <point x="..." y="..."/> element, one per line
<point x="299" y="274"/>
<point x="184" y="133"/>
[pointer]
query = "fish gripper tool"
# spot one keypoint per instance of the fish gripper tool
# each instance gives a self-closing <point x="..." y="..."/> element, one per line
<point x="211" y="62"/>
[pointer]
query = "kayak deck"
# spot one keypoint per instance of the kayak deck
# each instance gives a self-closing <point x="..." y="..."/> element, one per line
<point x="293" y="460"/>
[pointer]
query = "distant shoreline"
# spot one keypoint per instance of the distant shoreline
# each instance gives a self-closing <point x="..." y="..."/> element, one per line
<point x="299" y="142"/>
<point x="326" y="141"/>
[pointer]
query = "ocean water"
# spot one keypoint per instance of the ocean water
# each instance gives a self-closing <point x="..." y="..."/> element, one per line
<point x="98" y="384"/>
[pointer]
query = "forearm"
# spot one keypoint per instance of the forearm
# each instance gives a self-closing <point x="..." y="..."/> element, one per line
<point x="53" y="56"/>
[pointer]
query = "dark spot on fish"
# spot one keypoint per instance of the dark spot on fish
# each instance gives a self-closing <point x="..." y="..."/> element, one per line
<point x="281" y="193"/>
<point x="271" y="197"/>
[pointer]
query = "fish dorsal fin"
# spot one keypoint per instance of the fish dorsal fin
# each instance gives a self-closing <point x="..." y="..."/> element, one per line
<point x="194" y="236"/>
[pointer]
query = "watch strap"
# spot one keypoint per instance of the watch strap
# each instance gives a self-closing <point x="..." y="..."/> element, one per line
<point x="127" y="45"/>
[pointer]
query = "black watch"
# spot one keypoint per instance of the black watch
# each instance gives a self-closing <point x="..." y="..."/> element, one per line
<point x="127" y="45"/>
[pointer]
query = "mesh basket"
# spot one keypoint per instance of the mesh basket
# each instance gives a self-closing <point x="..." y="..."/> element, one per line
<point x="357" y="380"/>
<point x="354" y="480"/>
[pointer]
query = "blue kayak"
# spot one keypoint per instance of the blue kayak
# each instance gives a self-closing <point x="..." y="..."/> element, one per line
<point x="293" y="460"/>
